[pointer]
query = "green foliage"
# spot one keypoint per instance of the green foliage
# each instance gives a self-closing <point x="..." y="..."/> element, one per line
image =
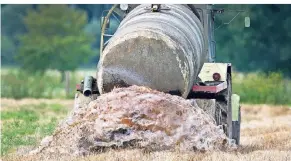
<point x="12" y="20"/>
<point x="11" y="27"/>
<point x="8" y="49"/>
<point x="262" y="88"/>
<point x="263" y="46"/>
<point x="27" y="125"/>
<point x="94" y="28"/>
<point x="253" y="88"/>
<point x="55" y="39"/>
<point x="21" y="84"/>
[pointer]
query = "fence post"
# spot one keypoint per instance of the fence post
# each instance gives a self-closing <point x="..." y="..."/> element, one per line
<point x="67" y="83"/>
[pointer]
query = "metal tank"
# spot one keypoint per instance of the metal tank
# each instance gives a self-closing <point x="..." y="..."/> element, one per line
<point x="162" y="50"/>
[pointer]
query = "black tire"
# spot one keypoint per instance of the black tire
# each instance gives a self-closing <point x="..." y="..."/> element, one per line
<point x="223" y="101"/>
<point x="229" y="106"/>
<point x="236" y="128"/>
<point x="218" y="115"/>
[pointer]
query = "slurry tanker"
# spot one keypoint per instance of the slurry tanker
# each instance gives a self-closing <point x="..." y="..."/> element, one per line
<point x="169" y="48"/>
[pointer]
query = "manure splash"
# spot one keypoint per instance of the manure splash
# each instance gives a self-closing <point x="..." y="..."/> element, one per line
<point x="134" y="117"/>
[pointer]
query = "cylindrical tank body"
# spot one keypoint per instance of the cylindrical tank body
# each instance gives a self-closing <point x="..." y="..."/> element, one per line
<point x="162" y="50"/>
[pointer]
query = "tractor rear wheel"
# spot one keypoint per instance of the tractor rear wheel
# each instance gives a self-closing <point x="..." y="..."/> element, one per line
<point x="236" y="119"/>
<point x="224" y="106"/>
<point x="228" y="112"/>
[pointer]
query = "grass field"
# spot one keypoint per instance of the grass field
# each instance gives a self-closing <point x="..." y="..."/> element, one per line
<point x="265" y="135"/>
<point x="25" y="122"/>
<point x="255" y="88"/>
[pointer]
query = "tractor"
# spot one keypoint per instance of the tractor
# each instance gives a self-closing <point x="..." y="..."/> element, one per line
<point x="169" y="48"/>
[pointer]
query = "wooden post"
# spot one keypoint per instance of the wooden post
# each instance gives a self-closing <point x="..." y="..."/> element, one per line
<point x="67" y="83"/>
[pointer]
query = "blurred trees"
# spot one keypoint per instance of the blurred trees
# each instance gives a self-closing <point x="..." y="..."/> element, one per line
<point x="59" y="35"/>
<point x="12" y="20"/>
<point x="93" y="27"/>
<point x="55" y="39"/>
<point x="8" y="50"/>
<point x="264" y="46"/>
<point x="11" y="27"/>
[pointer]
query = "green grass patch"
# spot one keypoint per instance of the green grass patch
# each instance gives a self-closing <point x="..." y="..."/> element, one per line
<point x="261" y="88"/>
<point x="57" y="108"/>
<point x="22" y="114"/>
<point x="27" y="125"/>
<point x="17" y="84"/>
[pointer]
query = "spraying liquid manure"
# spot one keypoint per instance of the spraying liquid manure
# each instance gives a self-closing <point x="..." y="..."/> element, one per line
<point x="157" y="49"/>
<point x="135" y="117"/>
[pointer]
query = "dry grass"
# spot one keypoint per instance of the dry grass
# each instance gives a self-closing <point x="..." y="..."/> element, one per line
<point x="265" y="135"/>
<point x="268" y="139"/>
<point x="7" y="103"/>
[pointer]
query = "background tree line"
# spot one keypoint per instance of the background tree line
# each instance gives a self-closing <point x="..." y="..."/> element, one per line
<point x="65" y="37"/>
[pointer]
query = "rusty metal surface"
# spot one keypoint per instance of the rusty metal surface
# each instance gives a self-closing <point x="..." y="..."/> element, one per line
<point x="164" y="51"/>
